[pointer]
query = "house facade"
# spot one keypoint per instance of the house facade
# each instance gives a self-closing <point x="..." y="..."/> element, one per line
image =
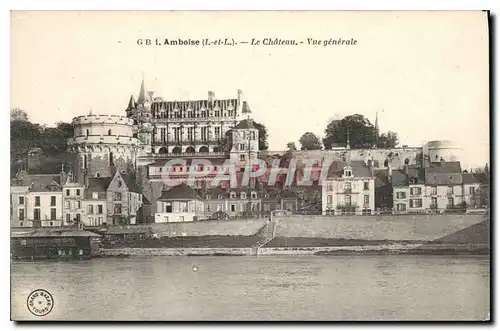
<point x="349" y="189"/>
<point x="439" y="187"/>
<point x="179" y="204"/>
<point x="36" y="200"/>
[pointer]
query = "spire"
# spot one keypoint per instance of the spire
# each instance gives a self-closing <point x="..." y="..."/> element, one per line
<point x="143" y="96"/>
<point x="376" y="130"/>
<point x="131" y="102"/>
<point x="246" y="109"/>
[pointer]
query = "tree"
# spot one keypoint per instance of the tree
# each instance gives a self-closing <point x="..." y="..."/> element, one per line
<point x="291" y="146"/>
<point x="361" y="132"/>
<point x="17" y="114"/>
<point x="263" y="145"/>
<point x="482" y="175"/>
<point x="309" y="141"/>
<point x="388" y="140"/>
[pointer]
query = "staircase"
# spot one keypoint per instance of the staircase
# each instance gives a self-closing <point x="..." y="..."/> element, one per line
<point x="265" y="234"/>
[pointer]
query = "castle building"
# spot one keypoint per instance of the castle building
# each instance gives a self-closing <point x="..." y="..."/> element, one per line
<point x="103" y="144"/>
<point x="185" y="128"/>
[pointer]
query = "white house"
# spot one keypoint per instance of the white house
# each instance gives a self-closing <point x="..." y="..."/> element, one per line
<point x="36" y="200"/>
<point x="349" y="189"/>
<point x="179" y="204"/>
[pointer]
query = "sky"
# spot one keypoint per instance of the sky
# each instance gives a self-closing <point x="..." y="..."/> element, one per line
<point x="425" y="73"/>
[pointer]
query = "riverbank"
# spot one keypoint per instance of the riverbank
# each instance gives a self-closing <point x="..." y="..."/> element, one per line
<point x="417" y="249"/>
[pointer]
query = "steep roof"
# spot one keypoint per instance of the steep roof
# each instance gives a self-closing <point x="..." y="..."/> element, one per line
<point x="381" y="178"/>
<point x="245" y="109"/>
<point x="444" y="173"/>
<point x="359" y="169"/>
<point x="143" y="95"/>
<point x="131" y="102"/>
<point x="399" y="178"/>
<point x="470" y="179"/>
<point x="245" y="124"/>
<point x="131" y="183"/>
<point x="38" y="183"/>
<point x="444" y="167"/>
<point x="179" y="192"/>
<point x="99" y="184"/>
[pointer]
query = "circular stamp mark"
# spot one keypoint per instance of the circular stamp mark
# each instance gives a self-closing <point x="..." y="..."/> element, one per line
<point x="40" y="302"/>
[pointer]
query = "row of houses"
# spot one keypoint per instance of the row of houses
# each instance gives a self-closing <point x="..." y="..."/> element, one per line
<point x="356" y="188"/>
<point x="56" y="200"/>
<point x="350" y="188"/>
<point x="183" y="203"/>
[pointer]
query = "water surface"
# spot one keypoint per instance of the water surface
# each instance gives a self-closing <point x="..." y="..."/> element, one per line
<point x="258" y="288"/>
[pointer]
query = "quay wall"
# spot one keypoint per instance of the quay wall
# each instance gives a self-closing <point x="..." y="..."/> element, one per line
<point x="421" y="228"/>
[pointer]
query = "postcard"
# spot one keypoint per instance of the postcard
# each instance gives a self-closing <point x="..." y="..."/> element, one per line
<point x="250" y="166"/>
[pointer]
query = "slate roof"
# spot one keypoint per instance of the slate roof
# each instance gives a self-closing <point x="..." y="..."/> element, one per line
<point x="444" y="167"/>
<point x="399" y="178"/>
<point x="222" y="104"/>
<point x="381" y="178"/>
<point x="245" y="124"/>
<point x="470" y="179"/>
<point x="145" y="200"/>
<point x="444" y="173"/>
<point x="359" y="169"/>
<point x="38" y="183"/>
<point x="99" y="184"/>
<point x="131" y="184"/>
<point x="180" y="192"/>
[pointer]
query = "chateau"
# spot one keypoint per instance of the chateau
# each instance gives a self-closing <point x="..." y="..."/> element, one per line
<point x="125" y="166"/>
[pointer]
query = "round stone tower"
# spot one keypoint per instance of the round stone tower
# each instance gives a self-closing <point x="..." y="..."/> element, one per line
<point x="103" y="144"/>
<point x="442" y="150"/>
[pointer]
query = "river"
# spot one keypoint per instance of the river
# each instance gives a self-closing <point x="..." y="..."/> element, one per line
<point x="258" y="288"/>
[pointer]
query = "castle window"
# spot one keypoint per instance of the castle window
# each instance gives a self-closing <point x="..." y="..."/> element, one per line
<point x="386" y="163"/>
<point x="208" y="198"/>
<point x="87" y="132"/>
<point x="233" y="195"/>
<point x="243" y="195"/>
<point x="109" y="132"/>
<point x="111" y="161"/>
<point x="407" y="161"/>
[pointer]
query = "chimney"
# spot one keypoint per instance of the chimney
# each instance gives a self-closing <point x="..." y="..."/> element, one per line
<point x="211" y="96"/>
<point x="62" y="175"/>
<point x="389" y="172"/>
<point x="239" y="105"/>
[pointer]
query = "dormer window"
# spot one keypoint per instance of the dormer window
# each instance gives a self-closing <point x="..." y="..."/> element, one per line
<point x="347" y="172"/>
<point x="266" y="196"/>
<point x="243" y="195"/>
<point x="220" y="196"/>
<point x="254" y="195"/>
<point x="208" y="197"/>
<point x="233" y="195"/>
